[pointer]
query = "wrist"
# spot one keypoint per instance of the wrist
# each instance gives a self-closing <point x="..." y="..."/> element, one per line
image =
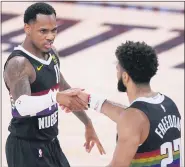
<point x="89" y="124"/>
<point x="95" y="102"/>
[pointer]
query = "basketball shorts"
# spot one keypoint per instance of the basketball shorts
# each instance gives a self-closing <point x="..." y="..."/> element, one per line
<point x="25" y="153"/>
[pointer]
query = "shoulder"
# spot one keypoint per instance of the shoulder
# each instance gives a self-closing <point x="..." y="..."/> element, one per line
<point x="16" y="67"/>
<point x="134" y="115"/>
<point x="17" y="63"/>
<point x="132" y="121"/>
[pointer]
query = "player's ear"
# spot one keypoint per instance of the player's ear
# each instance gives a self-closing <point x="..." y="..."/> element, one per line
<point x="27" y="29"/>
<point x="125" y="77"/>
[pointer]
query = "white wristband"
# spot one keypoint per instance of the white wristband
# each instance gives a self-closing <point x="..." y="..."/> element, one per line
<point x="96" y="102"/>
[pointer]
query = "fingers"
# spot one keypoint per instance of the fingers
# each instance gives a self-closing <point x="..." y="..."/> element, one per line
<point x="70" y="99"/>
<point x="90" y="144"/>
<point x="62" y="107"/>
<point x="75" y="105"/>
<point x="67" y="110"/>
<point x="82" y="103"/>
<point x="87" y="145"/>
<point x="100" y="148"/>
<point x="84" y="96"/>
<point x="73" y="91"/>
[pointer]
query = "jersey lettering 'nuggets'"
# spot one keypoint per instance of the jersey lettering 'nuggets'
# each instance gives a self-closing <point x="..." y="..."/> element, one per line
<point x="48" y="121"/>
<point x="162" y="147"/>
<point x="43" y="126"/>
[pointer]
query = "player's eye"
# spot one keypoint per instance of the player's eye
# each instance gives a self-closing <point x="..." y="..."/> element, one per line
<point x="54" y="30"/>
<point x="43" y="31"/>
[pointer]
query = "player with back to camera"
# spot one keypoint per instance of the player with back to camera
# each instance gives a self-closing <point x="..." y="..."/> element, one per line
<point x="149" y="129"/>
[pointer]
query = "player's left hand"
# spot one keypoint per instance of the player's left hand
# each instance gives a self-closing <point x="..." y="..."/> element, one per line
<point x="91" y="139"/>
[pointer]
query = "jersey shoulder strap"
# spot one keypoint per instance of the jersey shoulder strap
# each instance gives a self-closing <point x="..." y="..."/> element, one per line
<point x="14" y="54"/>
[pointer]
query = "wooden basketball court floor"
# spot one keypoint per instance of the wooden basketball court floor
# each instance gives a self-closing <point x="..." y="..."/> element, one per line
<point x="87" y="39"/>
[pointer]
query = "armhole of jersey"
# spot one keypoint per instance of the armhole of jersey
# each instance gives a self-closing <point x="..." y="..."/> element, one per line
<point x="20" y="54"/>
<point x="140" y="106"/>
<point x="12" y="55"/>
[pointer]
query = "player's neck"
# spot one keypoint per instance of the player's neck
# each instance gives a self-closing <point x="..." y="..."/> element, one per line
<point x="27" y="45"/>
<point x="140" y="91"/>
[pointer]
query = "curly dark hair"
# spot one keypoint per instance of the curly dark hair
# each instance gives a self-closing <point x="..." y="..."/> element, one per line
<point x="37" y="8"/>
<point x="139" y="60"/>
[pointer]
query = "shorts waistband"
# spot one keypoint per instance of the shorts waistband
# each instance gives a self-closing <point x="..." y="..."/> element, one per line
<point x="33" y="140"/>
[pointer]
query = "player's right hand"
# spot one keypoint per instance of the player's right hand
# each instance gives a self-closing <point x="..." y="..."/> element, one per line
<point x="83" y="96"/>
<point x="69" y="99"/>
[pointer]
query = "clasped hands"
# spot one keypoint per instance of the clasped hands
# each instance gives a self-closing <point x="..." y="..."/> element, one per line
<point x="73" y="99"/>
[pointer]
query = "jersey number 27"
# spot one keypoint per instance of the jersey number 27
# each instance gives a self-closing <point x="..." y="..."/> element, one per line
<point x="168" y="147"/>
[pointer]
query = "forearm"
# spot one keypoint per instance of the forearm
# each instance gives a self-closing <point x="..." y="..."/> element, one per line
<point x="106" y="107"/>
<point x="82" y="116"/>
<point x="34" y="105"/>
<point x="112" y="110"/>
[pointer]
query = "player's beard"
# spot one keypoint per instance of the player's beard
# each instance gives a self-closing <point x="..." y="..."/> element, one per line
<point x="121" y="86"/>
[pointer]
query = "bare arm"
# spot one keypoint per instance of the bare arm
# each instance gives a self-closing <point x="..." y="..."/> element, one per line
<point x="112" y="110"/>
<point x="107" y="107"/>
<point x="17" y="75"/>
<point x="133" y="129"/>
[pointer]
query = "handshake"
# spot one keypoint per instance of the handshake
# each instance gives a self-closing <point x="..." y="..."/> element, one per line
<point x="74" y="99"/>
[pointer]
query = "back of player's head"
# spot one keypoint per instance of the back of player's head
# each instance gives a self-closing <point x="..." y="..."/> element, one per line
<point x="37" y="8"/>
<point x="139" y="60"/>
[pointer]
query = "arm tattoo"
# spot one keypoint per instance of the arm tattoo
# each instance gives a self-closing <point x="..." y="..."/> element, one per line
<point x="17" y="78"/>
<point x="21" y="87"/>
<point x="116" y="104"/>
<point x="82" y="116"/>
<point x="63" y="85"/>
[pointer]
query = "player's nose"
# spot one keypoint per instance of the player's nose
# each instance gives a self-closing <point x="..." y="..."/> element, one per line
<point x="50" y="37"/>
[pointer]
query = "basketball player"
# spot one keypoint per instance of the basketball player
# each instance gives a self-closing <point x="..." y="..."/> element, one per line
<point x="149" y="130"/>
<point x="32" y="76"/>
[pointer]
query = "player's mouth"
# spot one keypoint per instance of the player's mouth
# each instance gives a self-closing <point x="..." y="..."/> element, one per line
<point x="48" y="45"/>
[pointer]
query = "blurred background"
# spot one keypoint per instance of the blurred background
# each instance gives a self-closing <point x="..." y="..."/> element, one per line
<point x="88" y="35"/>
